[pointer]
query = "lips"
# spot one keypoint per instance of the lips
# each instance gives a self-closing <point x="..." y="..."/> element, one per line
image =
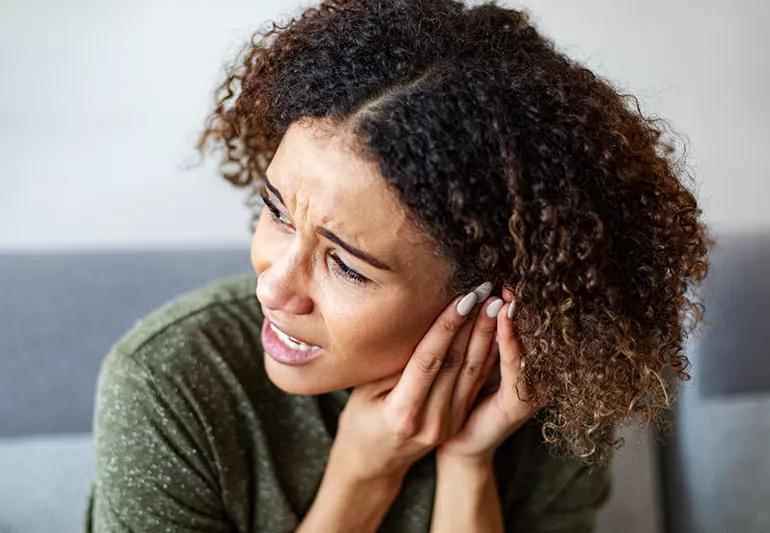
<point x="287" y="332"/>
<point x="279" y="351"/>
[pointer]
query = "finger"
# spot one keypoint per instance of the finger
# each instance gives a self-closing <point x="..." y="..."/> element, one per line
<point x="417" y="378"/>
<point x="438" y="403"/>
<point x="489" y="381"/>
<point x="480" y="347"/>
<point x="510" y="349"/>
<point x="459" y="344"/>
<point x="511" y="364"/>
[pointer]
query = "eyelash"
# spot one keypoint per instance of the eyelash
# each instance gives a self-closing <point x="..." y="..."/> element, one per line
<point x="343" y="270"/>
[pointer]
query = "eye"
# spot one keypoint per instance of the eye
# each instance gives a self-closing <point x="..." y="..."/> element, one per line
<point x="347" y="272"/>
<point x="275" y="213"/>
<point x="341" y="268"/>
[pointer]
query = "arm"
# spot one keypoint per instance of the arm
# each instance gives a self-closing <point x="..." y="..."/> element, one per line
<point x="466" y="497"/>
<point x="346" y="503"/>
<point x="574" y="509"/>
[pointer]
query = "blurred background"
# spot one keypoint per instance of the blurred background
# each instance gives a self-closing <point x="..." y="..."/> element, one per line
<point x="104" y="215"/>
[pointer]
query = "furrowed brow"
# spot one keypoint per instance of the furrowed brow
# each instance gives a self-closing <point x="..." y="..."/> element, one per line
<point x="357" y="252"/>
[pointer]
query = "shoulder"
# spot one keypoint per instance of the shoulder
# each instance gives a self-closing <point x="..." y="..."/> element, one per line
<point x="196" y="358"/>
<point x="221" y="318"/>
<point x="187" y="371"/>
<point x="208" y="305"/>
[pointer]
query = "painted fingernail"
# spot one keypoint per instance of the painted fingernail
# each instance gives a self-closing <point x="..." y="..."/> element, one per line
<point x="494" y="307"/>
<point x="483" y="291"/>
<point x="465" y="305"/>
<point x="511" y="309"/>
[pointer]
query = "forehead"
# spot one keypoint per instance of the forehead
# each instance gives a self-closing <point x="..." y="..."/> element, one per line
<point x="325" y="183"/>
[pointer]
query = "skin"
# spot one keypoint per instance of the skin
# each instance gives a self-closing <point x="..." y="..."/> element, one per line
<point x="367" y="331"/>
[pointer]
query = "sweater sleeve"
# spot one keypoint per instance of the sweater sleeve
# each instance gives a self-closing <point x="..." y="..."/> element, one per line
<point x="155" y="470"/>
<point x="574" y="508"/>
<point x="542" y="492"/>
<point x="570" y="506"/>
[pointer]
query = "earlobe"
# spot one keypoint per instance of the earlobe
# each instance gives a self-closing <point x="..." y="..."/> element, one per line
<point x="507" y="294"/>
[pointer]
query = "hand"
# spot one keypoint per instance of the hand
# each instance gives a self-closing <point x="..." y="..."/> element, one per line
<point x="497" y="415"/>
<point x="390" y="423"/>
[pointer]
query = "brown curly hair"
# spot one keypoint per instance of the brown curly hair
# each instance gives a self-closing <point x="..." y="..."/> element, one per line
<point x="524" y="167"/>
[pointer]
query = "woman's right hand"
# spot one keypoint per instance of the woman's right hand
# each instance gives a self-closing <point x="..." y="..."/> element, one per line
<point x="390" y="423"/>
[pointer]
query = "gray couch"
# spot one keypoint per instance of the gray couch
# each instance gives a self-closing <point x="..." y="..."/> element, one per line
<point x="60" y="313"/>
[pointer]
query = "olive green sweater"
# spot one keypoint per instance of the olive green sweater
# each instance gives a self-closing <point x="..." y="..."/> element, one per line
<point x="191" y="435"/>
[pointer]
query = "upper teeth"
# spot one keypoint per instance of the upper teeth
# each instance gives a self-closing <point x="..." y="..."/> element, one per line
<point x="291" y="342"/>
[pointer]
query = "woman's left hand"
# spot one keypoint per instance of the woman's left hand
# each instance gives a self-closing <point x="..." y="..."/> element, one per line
<point x="474" y="437"/>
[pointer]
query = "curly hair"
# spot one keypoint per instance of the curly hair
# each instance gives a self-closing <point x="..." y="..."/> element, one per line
<point x="524" y="167"/>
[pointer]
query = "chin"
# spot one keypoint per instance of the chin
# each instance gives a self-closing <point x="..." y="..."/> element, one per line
<point x="299" y="379"/>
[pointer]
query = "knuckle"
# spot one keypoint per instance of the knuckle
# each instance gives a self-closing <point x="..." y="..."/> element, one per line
<point x="451" y="324"/>
<point x="471" y="370"/>
<point x="486" y="327"/>
<point x="428" y="363"/>
<point x="453" y="359"/>
<point x="403" y="422"/>
<point x="435" y="435"/>
<point x="405" y="427"/>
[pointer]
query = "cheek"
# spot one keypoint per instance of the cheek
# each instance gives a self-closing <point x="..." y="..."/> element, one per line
<point x="378" y="338"/>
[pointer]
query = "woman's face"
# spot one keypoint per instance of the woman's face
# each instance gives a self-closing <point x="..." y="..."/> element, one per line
<point x="368" y="328"/>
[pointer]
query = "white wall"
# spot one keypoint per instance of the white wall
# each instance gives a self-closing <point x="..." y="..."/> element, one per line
<point x="703" y="65"/>
<point x="101" y="101"/>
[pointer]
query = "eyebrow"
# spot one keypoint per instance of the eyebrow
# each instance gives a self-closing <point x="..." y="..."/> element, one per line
<point x="334" y="238"/>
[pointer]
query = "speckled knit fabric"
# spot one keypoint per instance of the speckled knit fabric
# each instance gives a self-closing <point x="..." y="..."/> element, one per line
<point x="191" y="435"/>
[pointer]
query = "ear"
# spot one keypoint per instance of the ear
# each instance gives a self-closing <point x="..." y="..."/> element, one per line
<point x="507" y="294"/>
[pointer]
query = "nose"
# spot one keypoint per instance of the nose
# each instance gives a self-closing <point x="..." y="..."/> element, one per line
<point x="283" y="284"/>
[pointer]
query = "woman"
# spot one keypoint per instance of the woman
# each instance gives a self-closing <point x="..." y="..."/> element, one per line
<point x="473" y="266"/>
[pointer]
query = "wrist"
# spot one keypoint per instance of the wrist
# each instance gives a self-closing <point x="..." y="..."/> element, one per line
<point x="465" y="463"/>
<point x="354" y="470"/>
<point x="466" y="496"/>
<point x="347" y="501"/>
<point x="353" y="479"/>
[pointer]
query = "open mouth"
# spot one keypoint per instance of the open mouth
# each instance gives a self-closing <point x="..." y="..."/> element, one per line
<point x="291" y="342"/>
<point x="284" y="348"/>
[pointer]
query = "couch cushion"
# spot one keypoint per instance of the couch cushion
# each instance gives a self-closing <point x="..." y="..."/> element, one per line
<point x="716" y="465"/>
<point x="44" y="482"/>
<point x="61" y="312"/>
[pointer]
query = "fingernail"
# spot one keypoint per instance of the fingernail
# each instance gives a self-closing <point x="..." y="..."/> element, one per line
<point x="483" y="291"/>
<point x="465" y="305"/>
<point x="494" y="307"/>
<point x="511" y="308"/>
